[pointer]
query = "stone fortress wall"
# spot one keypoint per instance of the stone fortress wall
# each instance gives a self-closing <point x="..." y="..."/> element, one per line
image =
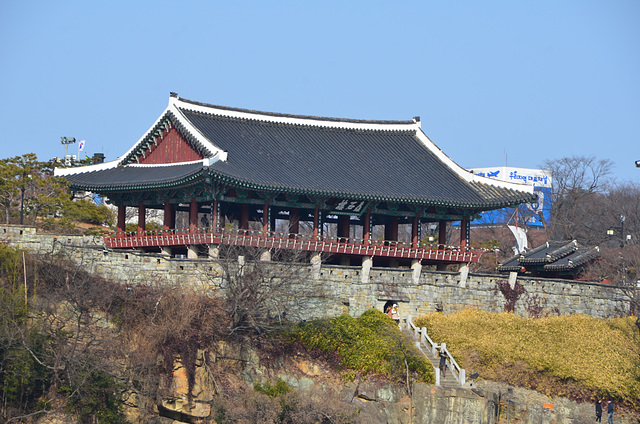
<point x="345" y="289"/>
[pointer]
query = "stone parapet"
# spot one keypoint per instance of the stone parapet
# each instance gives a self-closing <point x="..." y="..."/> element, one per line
<point x="345" y="289"/>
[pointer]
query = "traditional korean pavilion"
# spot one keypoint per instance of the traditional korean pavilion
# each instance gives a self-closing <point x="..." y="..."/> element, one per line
<point x="281" y="181"/>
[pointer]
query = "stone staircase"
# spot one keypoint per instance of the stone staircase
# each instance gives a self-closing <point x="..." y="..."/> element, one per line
<point x="454" y="375"/>
<point x="450" y="379"/>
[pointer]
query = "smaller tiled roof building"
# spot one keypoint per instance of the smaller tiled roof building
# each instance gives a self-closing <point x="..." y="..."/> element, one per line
<point x="553" y="259"/>
<point x="241" y="166"/>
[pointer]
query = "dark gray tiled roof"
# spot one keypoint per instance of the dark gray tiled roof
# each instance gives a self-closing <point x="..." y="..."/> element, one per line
<point x="381" y="165"/>
<point x="548" y="252"/>
<point x="135" y="177"/>
<point x="393" y="166"/>
<point x="574" y="260"/>
<point x="551" y="256"/>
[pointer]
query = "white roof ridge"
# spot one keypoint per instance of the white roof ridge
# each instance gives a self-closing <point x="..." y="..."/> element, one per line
<point x="412" y="125"/>
<point x="204" y="162"/>
<point x="173" y="107"/>
<point x="469" y="176"/>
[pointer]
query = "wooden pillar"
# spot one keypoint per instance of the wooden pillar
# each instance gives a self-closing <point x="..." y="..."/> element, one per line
<point x="142" y="217"/>
<point x="316" y="221"/>
<point x="122" y="218"/>
<point x="391" y="228"/>
<point x="222" y="220"/>
<point x="214" y="216"/>
<point x="192" y="252"/>
<point x="442" y="232"/>
<point x="193" y="215"/>
<point x="272" y="222"/>
<point x="294" y="221"/>
<point x="366" y="227"/>
<point x="344" y="222"/>
<point x="243" y="223"/>
<point x="214" y="249"/>
<point x="464" y="232"/>
<point x="414" y="231"/>
<point x="169" y="221"/>
<point x="266" y="217"/>
<point x="442" y="242"/>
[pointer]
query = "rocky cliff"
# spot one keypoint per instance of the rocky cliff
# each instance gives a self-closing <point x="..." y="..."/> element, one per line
<point x="224" y="390"/>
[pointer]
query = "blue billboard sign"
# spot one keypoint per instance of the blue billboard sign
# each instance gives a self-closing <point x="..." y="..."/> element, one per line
<point x="531" y="213"/>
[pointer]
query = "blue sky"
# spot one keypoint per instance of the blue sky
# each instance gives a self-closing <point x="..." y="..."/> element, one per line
<point x="514" y="81"/>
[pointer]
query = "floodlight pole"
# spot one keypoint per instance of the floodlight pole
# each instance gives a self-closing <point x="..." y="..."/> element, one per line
<point x="66" y="141"/>
<point x="623" y="273"/>
<point x="22" y="188"/>
<point x="611" y="232"/>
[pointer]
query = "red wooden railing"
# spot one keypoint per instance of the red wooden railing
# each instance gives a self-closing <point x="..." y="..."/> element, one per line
<point x="274" y="240"/>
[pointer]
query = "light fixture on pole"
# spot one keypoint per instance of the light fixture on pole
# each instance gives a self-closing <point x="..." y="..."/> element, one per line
<point x="66" y="141"/>
<point x="612" y="231"/>
<point x="638" y="164"/>
<point x="22" y="188"/>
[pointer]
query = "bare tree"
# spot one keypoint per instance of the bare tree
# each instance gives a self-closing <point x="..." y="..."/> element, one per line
<point x="261" y="288"/>
<point x="614" y="223"/>
<point x="630" y="279"/>
<point x="58" y="338"/>
<point x="623" y="200"/>
<point x="577" y="182"/>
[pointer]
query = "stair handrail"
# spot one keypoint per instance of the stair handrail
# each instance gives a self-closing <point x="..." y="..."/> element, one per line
<point x="458" y="373"/>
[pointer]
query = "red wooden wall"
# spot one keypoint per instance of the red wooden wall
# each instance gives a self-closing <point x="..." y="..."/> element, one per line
<point x="171" y="148"/>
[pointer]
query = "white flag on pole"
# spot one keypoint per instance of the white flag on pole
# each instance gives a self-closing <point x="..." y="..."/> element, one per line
<point x="81" y="145"/>
<point x="521" y="238"/>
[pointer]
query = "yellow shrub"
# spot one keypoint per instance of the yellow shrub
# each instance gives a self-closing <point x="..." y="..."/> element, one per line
<point x="580" y="354"/>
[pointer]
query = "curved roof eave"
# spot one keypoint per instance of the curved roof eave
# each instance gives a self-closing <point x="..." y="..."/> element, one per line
<point x="200" y="172"/>
<point x="108" y="188"/>
<point x="373" y="197"/>
<point x="137" y="177"/>
<point x="63" y="172"/>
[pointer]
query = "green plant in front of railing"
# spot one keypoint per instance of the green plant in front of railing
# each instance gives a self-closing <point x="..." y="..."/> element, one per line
<point x="371" y="343"/>
<point x="149" y="227"/>
<point x="578" y="356"/>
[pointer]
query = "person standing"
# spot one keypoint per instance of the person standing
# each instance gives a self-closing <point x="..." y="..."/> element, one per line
<point x="389" y="312"/>
<point x="443" y="362"/>
<point x="394" y="313"/>
<point x="599" y="410"/>
<point x="610" y="411"/>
